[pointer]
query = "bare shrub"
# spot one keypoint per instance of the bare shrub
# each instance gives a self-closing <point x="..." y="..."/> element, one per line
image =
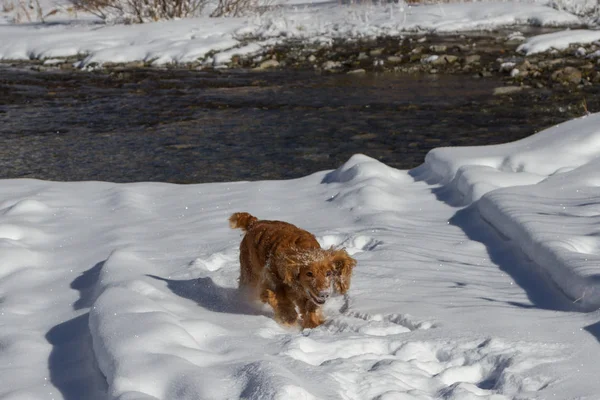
<point x="240" y="8"/>
<point x="8" y="6"/>
<point x="25" y="11"/>
<point x="140" y="11"/>
<point x="582" y="8"/>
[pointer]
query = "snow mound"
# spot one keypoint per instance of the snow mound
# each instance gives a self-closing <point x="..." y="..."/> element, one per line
<point x="367" y="185"/>
<point x="474" y="171"/>
<point x="542" y="193"/>
<point x="25" y="207"/>
<point x="557" y="224"/>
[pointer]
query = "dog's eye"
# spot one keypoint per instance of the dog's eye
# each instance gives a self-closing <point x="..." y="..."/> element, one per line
<point x="309" y="274"/>
<point x="328" y="273"/>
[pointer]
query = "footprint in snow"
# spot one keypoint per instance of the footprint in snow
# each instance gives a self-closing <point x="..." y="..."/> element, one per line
<point x="352" y="244"/>
<point x="375" y="324"/>
<point x="217" y="260"/>
<point x="371" y="367"/>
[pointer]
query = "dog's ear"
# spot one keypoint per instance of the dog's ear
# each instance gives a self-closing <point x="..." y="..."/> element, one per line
<point x="343" y="269"/>
<point x="289" y="271"/>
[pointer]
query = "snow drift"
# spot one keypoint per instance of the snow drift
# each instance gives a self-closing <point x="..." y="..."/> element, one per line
<point x="542" y="193"/>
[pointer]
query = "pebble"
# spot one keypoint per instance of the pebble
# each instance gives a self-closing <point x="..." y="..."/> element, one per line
<point x="357" y="71"/>
<point x="268" y="64"/>
<point x="506" y="90"/>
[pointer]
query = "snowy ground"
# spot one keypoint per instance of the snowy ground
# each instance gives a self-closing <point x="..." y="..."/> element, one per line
<point x="468" y="285"/>
<point x="67" y="34"/>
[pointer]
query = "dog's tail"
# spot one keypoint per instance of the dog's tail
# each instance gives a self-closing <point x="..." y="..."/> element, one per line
<point x="241" y="220"/>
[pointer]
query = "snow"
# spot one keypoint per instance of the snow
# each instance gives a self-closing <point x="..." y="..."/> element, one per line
<point x="558" y="40"/>
<point x="190" y="40"/>
<point x="473" y="272"/>
<point x="546" y="206"/>
<point x="477" y="272"/>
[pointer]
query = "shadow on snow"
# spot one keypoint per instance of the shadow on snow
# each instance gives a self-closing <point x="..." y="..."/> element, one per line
<point x="207" y="294"/>
<point x="594" y="330"/>
<point x="540" y="289"/>
<point x="72" y="363"/>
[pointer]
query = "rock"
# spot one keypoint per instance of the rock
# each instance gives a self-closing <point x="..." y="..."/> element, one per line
<point x="364" y="136"/>
<point x="505" y="90"/>
<point x="312" y="58"/>
<point x="134" y="64"/>
<point x="438" y="48"/>
<point x="472" y="59"/>
<point x="417" y="50"/>
<point x="427" y="59"/>
<point x="357" y="71"/>
<point x="506" y="66"/>
<point x="394" y="59"/>
<point x="362" y="56"/>
<point x="331" y="65"/>
<point x="376" y="52"/>
<point x="514" y="39"/>
<point x="525" y="66"/>
<point x="567" y="75"/>
<point x="445" y="59"/>
<point x="551" y="63"/>
<point x="587" y="66"/>
<point x="516" y="36"/>
<point x="66" y="66"/>
<point x="268" y="64"/>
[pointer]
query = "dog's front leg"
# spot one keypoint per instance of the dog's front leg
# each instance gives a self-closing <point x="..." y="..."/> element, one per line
<point x="312" y="316"/>
<point x="284" y="307"/>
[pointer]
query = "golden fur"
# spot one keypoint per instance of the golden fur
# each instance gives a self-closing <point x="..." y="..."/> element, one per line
<point x="285" y="267"/>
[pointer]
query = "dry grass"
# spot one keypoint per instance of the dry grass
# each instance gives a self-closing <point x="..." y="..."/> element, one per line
<point x="8" y="6"/>
<point x="139" y="11"/>
<point x="239" y="8"/>
<point x="26" y="11"/>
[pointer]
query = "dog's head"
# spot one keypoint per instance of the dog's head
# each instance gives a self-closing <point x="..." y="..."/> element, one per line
<point x="320" y="272"/>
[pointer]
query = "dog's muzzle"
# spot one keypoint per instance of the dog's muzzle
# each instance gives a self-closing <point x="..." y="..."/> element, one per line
<point x="321" y="298"/>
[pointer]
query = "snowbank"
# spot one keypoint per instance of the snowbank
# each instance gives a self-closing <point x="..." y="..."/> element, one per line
<point x="191" y="40"/>
<point x="542" y="193"/>
<point x="557" y="224"/>
<point x="558" y="40"/>
<point x="128" y="291"/>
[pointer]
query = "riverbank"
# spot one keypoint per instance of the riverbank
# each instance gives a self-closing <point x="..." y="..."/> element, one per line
<point x="496" y="53"/>
<point x="326" y="36"/>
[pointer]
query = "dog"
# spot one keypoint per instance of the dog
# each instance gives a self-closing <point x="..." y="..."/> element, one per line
<point x="284" y="266"/>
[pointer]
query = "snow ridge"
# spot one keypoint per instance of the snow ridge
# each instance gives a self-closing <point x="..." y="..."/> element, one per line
<point x="544" y="200"/>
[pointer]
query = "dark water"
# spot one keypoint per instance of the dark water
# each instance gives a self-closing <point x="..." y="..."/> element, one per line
<point x="185" y="126"/>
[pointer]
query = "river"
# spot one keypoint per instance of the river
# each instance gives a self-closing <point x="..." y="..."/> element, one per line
<point x="189" y="126"/>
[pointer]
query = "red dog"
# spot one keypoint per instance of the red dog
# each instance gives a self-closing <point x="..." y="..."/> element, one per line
<point x="286" y="267"/>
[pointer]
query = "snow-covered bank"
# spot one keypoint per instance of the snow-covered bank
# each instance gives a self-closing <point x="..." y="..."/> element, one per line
<point x="549" y="206"/>
<point x="191" y="40"/>
<point x="431" y="313"/>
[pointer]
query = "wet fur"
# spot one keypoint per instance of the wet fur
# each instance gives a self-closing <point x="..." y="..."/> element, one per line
<point x="275" y="260"/>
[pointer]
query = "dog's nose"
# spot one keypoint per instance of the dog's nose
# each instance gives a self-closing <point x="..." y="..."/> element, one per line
<point x="324" y="295"/>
